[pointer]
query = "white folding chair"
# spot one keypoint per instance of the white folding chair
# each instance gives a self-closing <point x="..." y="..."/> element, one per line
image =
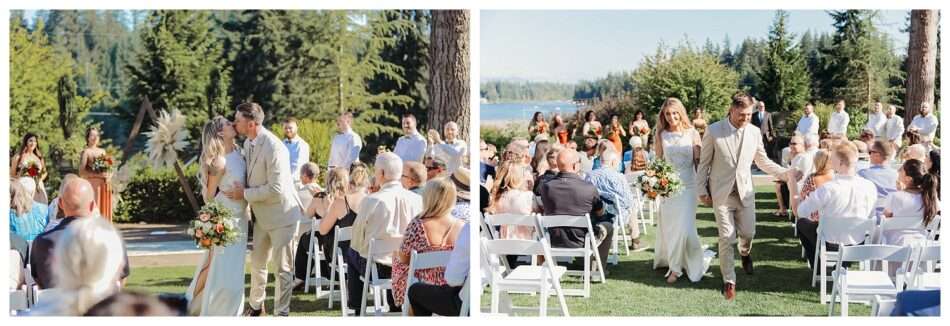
<point x="619" y="233"/>
<point x="377" y="248"/>
<point x="589" y="249"/>
<point x="922" y="273"/>
<point x="314" y="270"/>
<point x="853" y="229"/>
<point x="20" y="297"/>
<point x="464" y="295"/>
<point x="897" y="223"/>
<point x="524" y="278"/>
<point x="640" y="203"/>
<point x="338" y="267"/>
<point x="495" y="221"/>
<point x="933" y="229"/>
<point x="419" y="261"/>
<point x="865" y="283"/>
<point x="882" y="306"/>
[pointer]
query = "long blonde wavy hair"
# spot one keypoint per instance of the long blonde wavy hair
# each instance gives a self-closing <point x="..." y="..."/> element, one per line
<point x="212" y="146"/>
<point x="671" y="103"/>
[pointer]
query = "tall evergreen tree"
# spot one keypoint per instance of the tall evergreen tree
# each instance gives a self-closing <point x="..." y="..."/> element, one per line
<point x="784" y="78"/>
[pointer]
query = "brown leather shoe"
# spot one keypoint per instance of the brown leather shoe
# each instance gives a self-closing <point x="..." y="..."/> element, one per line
<point x="251" y="312"/>
<point x="729" y="290"/>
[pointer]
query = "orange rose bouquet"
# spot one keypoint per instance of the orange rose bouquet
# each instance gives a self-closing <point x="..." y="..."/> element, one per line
<point x="660" y="179"/>
<point x="215" y="225"/>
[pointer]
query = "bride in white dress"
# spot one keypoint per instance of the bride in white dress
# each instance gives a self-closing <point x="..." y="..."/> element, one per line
<point x="677" y="241"/>
<point x="217" y="288"/>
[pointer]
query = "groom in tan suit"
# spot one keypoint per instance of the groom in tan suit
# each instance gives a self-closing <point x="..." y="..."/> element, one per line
<point x="271" y="194"/>
<point x="724" y="181"/>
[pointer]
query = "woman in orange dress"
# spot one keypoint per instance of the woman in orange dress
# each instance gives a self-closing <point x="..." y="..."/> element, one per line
<point x="101" y="181"/>
<point x="614" y="133"/>
<point x="537" y="126"/>
<point x="592" y="128"/>
<point x="560" y="129"/>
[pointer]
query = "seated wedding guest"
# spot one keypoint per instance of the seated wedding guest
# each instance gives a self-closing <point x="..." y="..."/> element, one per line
<point x="612" y="185"/>
<point x="917" y="197"/>
<point x="845" y="196"/>
<point x="133" y="304"/>
<point x="539" y="161"/>
<point x="28" y="218"/>
<point x="435" y="167"/>
<point x="635" y="159"/>
<point x="880" y="172"/>
<point x="509" y="196"/>
<point x="915" y="152"/>
<point x="796" y="145"/>
<point x="332" y="208"/>
<point x="867" y="137"/>
<point x="821" y="175"/>
<point x="22" y="247"/>
<point x="463" y="196"/>
<point x="434" y="230"/>
<point x="360" y="180"/>
<point x="413" y="176"/>
<point x="297" y="147"/>
<point x="308" y="184"/>
<point x="802" y="164"/>
<point x="587" y="154"/>
<point x="426" y="298"/>
<point x="863" y="155"/>
<point x="78" y="203"/>
<point x="54" y="213"/>
<point x="411" y="147"/>
<point x="87" y="269"/>
<point x="346" y="145"/>
<point x="17" y="270"/>
<point x="550" y="173"/>
<point x="382" y="215"/>
<point x="569" y="194"/>
<point x="486" y="162"/>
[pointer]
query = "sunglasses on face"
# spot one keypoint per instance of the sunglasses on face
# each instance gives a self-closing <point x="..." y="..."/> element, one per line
<point x="793" y="144"/>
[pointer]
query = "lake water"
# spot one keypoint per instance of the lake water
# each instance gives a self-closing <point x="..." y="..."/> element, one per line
<point x="522" y="111"/>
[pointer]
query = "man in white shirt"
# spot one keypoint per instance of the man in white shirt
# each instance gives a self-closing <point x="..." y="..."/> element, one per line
<point x="382" y="215"/>
<point x="893" y="128"/>
<point x="808" y="124"/>
<point x="411" y="147"/>
<point x="877" y="121"/>
<point x="298" y="148"/>
<point x="453" y="148"/>
<point x="444" y="300"/>
<point x="346" y="145"/>
<point x="838" y="123"/>
<point x="804" y="162"/>
<point x="925" y="124"/>
<point x="845" y="196"/>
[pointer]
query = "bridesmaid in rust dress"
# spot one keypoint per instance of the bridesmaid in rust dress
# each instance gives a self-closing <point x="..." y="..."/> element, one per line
<point x="560" y="129"/>
<point x="100" y="180"/>
<point x="614" y="132"/>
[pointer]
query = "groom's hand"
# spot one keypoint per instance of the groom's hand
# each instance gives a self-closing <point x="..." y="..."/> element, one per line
<point x="236" y="192"/>
<point x="706" y="200"/>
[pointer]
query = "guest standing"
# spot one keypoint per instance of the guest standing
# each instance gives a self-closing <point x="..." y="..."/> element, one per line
<point x="926" y="124"/>
<point x="808" y="124"/>
<point x="639" y="127"/>
<point x="298" y="148"/>
<point x="877" y="121"/>
<point x="28" y="218"/>
<point x="453" y="147"/>
<point x="614" y="132"/>
<point x="346" y="145"/>
<point x="537" y="126"/>
<point x="763" y="119"/>
<point x="893" y="128"/>
<point x="838" y="123"/>
<point x="411" y="147"/>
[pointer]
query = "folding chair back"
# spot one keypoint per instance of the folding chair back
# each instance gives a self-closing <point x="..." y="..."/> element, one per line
<point x="493" y="221"/>
<point x="420" y="261"/>
<point x="898" y="223"/>
<point x="866" y="282"/>
<point x="933" y="229"/>
<point x="378" y="248"/>
<point x="589" y="249"/>
<point x="338" y="266"/>
<point x="922" y="272"/>
<point x="523" y="278"/>
<point x="847" y="231"/>
<point x="464" y="295"/>
<point x="875" y="252"/>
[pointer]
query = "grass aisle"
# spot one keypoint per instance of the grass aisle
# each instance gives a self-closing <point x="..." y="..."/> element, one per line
<point x="781" y="285"/>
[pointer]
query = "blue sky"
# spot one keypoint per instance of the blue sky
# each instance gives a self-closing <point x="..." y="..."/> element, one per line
<point x="567" y="46"/>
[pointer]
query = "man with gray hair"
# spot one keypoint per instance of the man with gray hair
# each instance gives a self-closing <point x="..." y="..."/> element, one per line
<point x="382" y="215"/>
<point x="614" y="189"/>
<point x="804" y="162"/>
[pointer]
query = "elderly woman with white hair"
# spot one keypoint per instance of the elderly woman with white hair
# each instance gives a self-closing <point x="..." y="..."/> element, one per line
<point x="87" y="267"/>
<point x="28" y="218"/>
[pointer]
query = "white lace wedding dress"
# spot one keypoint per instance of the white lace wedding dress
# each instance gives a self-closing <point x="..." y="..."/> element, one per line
<point x="677" y="241"/>
<point x="223" y="293"/>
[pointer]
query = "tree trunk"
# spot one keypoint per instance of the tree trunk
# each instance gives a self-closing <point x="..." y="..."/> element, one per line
<point x="921" y="61"/>
<point x="449" y="86"/>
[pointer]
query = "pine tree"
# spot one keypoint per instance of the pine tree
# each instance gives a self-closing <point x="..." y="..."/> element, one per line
<point x="784" y="78"/>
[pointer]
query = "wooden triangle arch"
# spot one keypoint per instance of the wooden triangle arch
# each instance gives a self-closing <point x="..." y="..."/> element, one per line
<point x="127" y="150"/>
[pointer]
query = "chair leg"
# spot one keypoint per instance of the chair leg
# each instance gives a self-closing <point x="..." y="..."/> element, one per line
<point x="306" y="279"/>
<point x="587" y="276"/>
<point x="543" y="304"/>
<point x="495" y="297"/>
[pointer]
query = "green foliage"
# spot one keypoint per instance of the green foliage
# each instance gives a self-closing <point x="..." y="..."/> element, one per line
<point x="862" y="61"/>
<point x="513" y="91"/>
<point x="500" y="136"/>
<point x="615" y="85"/>
<point x="317" y="134"/>
<point x="156" y="196"/>
<point x="696" y="78"/>
<point x="784" y="79"/>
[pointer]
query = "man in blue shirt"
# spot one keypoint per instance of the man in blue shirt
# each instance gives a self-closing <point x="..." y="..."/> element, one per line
<point x="879" y="173"/>
<point x="298" y="148"/>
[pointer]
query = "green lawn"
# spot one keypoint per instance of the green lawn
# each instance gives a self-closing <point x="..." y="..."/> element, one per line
<point x="781" y="285"/>
<point x="176" y="280"/>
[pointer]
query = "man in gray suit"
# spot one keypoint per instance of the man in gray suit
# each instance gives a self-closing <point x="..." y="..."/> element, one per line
<point x="271" y="194"/>
<point x="724" y="180"/>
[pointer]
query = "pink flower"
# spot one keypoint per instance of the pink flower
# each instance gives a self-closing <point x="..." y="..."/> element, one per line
<point x="199" y="234"/>
<point x="204" y="217"/>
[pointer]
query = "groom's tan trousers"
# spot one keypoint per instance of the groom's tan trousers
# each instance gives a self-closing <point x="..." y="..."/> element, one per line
<point x="277" y="243"/>
<point x="733" y="219"/>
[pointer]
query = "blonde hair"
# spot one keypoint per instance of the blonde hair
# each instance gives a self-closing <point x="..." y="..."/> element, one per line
<point x="212" y="145"/>
<point x="86" y="264"/>
<point x="821" y="162"/>
<point x="359" y="176"/>
<point x="21" y="201"/>
<point x="510" y="176"/>
<point x="438" y="198"/>
<point x="671" y="103"/>
<point x="338" y="182"/>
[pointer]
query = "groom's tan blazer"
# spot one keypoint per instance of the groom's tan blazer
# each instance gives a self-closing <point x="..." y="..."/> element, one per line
<point x="270" y="188"/>
<point x="725" y="162"/>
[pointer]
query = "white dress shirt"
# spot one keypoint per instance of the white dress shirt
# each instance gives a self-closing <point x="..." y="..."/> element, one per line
<point x="456" y="271"/>
<point x="894" y="129"/>
<point x="452" y="152"/>
<point x="411" y="147"/>
<point x="804" y="162"/>
<point x="838" y="123"/>
<point x="345" y="149"/>
<point x="927" y="126"/>
<point x="299" y="155"/>
<point x="842" y="197"/>
<point x="384" y="214"/>
<point x="876" y="123"/>
<point x="808" y="125"/>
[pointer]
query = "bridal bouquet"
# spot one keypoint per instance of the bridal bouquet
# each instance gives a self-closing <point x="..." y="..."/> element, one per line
<point x="643" y="131"/>
<point x="102" y="163"/>
<point x="29" y="168"/>
<point x="214" y="226"/>
<point x="659" y="180"/>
